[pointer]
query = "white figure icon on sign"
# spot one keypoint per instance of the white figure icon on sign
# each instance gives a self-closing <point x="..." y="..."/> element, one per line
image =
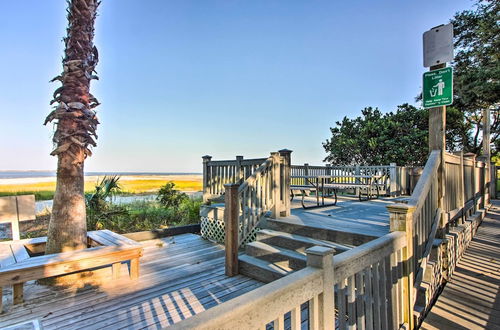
<point x="438" y="88"/>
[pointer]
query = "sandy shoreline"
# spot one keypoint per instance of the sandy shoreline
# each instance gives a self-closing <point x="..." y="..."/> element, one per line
<point x="174" y="177"/>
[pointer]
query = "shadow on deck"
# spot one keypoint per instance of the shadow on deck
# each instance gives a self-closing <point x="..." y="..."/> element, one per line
<point x="180" y="277"/>
<point x="471" y="300"/>
<point x="349" y="214"/>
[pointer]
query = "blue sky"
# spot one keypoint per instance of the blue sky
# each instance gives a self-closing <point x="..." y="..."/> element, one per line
<point x="181" y="79"/>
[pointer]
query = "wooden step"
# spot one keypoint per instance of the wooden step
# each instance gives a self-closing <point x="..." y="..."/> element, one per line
<point x="296" y="242"/>
<point x="340" y="236"/>
<point x="261" y="270"/>
<point x="275" y="254"/>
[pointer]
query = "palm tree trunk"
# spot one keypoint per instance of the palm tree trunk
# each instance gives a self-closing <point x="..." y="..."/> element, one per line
<point x="76" y="124"/>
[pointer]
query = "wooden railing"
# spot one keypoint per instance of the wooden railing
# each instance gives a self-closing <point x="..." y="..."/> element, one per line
<point x="361" y="288"/>
<point x="370" y="286"/>
<point x="217" y="173"/>
<point x="424" y="202"/>
<point x="466" y="186"/>
<point x="258" y="195"/>
<point x="451" y="187"/>
<point x="391" y="184"/>
<point x="265" y="192"/>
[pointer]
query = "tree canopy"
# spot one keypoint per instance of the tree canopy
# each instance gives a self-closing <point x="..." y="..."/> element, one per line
<point x="477" y="71"/>
<point x="375" y="138"/>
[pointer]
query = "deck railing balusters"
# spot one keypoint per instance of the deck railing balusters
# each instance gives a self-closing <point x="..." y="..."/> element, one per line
<point x="375" y="282"/>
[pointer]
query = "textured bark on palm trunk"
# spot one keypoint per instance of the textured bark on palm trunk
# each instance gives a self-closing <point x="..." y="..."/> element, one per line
<point x="76" y="128"/>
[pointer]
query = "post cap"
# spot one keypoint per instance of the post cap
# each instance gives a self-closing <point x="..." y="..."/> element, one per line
<point x="285" y="151"/>
<point x="320" y="250"/>
<point x="207" y="157"/>
<point x="239" y="157"/>
<point x="400" y="208"/>
<point x="232" y="185"/>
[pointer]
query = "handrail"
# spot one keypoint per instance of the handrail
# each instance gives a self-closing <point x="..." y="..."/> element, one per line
<point x="426" y="179"/>
<point x="365" y="283"/>
<point x="355" y="260"/>
<point x="217" y="173"/>
<point x="257" y="195"/>
<point x="255" y="309"/>
<point x="259" y="171"/>
<point x="233" y="162"/>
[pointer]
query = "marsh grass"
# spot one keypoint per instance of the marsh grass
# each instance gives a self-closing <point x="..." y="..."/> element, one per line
<point x="45" y="190"/>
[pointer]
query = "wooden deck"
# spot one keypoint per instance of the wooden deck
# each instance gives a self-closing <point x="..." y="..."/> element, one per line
<point x="180" y="277"/>
<point x="368" y="217"/>
<point x="471" y="300"/>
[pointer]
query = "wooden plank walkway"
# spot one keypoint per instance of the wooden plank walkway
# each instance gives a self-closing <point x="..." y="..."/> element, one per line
<point x="180" y="277"/>
<point x="368" y="217"/>
<point x="471" y="300"/>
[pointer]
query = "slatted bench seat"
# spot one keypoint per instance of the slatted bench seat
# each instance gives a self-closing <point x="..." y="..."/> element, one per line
<point x="107" y="248"/>
<point x="302" y="188"/>
<point x="353" y="185"/>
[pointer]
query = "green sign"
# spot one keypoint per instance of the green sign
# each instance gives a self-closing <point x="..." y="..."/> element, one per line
<point x="438" y="88"/>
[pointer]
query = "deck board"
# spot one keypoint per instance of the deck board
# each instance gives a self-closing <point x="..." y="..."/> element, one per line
<point x="180" y="277"/>
<point x="471" y="300"/>
<point x="367" y="217"/>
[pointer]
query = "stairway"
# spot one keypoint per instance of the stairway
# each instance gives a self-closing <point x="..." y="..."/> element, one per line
<point x="280" y="248"/>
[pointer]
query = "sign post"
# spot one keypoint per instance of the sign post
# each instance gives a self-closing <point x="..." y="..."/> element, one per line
<point x="437" y="90"/>
<point x="437" y="93"/>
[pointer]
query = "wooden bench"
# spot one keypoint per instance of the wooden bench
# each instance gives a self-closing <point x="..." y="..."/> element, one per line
<point x="17" y="265"/>
<point x="301" y="188"/>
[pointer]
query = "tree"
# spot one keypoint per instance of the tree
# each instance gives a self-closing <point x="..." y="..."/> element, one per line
<point x="375" y="138"/>
<point x="76" y="123"/>
<point x="477" y="71"/>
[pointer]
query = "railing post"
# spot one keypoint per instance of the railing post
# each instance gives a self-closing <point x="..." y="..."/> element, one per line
<point x="357" y="171"/>
<point x="472" y="182"/>
<point x="482" y="182"/>
<point x="401" y="219"/>
<point x="275" y="210"/>
<point x="493" y="181"/>
<point x="206" y="177"/>
<point x="462" y="194"/>
<point x="239" y="175"/>
<point x="392" y="179"/>
<point x="486" y="155"/>
<point x="322" y="257"/>
<point x="328" y="169"/>
<point x="306" y="172"/>
<point x="285" y="184"/>
<point x="231" y="223"/>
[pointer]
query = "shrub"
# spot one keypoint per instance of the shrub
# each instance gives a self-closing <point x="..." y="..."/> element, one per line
<point x="170" y="197"/>
<point x="171" y="208"/>
<point x="96" y="201"/>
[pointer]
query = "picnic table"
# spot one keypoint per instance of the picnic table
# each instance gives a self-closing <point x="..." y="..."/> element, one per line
<point x="328" y="186"/>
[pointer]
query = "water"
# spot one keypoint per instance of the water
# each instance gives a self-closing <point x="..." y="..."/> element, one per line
<point x="48" y="174"/>
<point x="42" y="205"/>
